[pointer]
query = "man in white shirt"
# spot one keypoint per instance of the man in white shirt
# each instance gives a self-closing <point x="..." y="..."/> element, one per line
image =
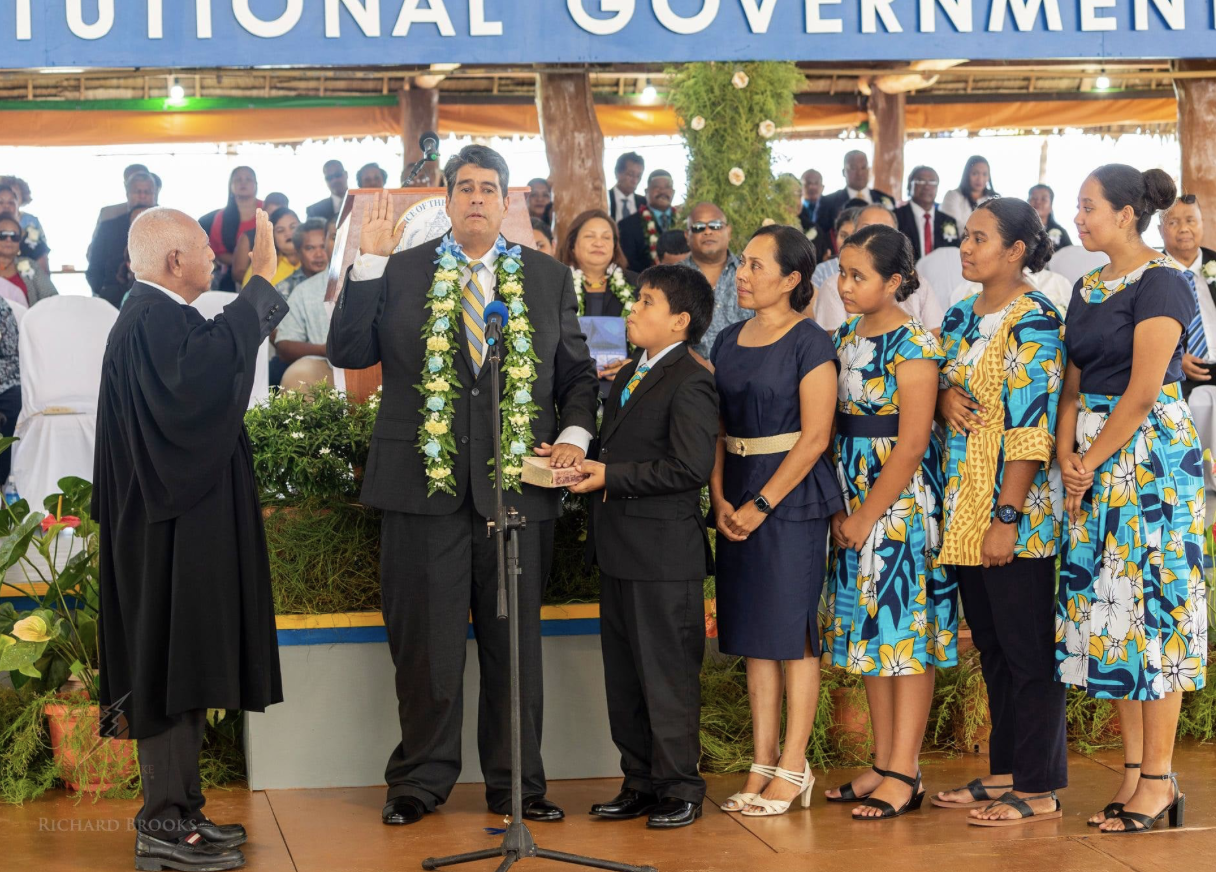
<point x="623" y="200"/>
<point x="1182" y="232"/>
<point x="337" y="179"/>
<point x="856" y="174"/>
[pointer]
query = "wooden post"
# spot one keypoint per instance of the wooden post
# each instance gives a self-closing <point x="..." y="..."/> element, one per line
<point x="419" y="113"/>
<point x="1197" y="137"/>
<point x="887" y="133"/>
<point x="574" y="145"/>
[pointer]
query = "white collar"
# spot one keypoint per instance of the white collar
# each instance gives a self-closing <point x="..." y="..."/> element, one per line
<point x="862" y="194"/>
<point x="920" y="213"/>
<point x="644" y="361"/>
<point x="177" y="298"/>
<point x="1195" y="265"/>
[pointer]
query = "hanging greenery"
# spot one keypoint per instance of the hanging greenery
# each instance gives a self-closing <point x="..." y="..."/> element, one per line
<point x="728" y="114"/>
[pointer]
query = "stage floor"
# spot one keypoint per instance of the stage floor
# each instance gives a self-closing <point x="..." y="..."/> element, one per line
<point x="339" y="830"/>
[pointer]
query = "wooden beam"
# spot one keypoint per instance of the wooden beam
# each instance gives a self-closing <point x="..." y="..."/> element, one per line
<point x="1197" y="135"/>
<point x="887" y="133"/>
<point x="574" y="145"/>
<point x="419" y="113"/>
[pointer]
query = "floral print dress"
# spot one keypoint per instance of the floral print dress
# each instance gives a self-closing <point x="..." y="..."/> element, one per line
<point x="1132" y="618"/>
<point x="890" y="609"/>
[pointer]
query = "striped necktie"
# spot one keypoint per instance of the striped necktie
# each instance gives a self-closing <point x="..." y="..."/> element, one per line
<point x="473" y="307"/>
<point x="1196" y="342"/>
<point x="633" y="383"/>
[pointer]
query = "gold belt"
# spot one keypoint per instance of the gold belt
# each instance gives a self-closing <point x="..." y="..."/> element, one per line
<point x="761" y="444"/>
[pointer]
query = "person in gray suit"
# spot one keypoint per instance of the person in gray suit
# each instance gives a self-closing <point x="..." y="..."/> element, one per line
<point x="437" y="563"/>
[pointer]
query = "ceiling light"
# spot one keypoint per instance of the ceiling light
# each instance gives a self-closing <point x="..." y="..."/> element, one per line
<point x="1102" y="83"/>
<point x="177" y="93"/>
<point x="649" y="94"/>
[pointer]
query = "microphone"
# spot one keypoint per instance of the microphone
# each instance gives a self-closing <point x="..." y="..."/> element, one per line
<point x="495" y="316"/>
<point x="429" y="143"/>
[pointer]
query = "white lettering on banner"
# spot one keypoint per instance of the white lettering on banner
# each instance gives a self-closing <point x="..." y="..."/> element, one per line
<point x="1025" y="13"/>
<point x="685" y="25"/>
<point x="1091" y="21"/>
<point x="436" y="14"/>
<point x="872" y="10"/>
<point x="365" y="12"/>
<point x="23" y="20"/>
<point x="478" y="26"/>
<point x="202" y="18"/>
<point x="1171" y="10"/>
<point x="817" y="24"/>
<point x="958" y="11"/>
<point x="156" y="25"/>
<point x="96" y="30"/>
<point x="622" y="14"/>
<point x="758" y="17"/>
<point x="268" y="29"/>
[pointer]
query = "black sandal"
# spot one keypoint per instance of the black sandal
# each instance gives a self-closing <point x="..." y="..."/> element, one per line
<point x="846" y="790"/>
<point x="1022" y="806"/>
<point x="1134" y="822"/>
<point x="979" y="795"/>
<point x="888" y="810"/>
<point x="1112" y="808"/>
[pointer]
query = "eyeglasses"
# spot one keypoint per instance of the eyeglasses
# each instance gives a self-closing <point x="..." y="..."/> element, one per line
<point x="9" y="236"/>
<point x="932" y="183"/>
<point x="1189" y="199"/>
<point x="702" y="226"/>
<point x="333" y="177"/>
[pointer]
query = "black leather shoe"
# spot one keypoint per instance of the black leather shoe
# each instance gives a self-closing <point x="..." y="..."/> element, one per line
<point x="403" y="810"/>
<point x="671" y="813"/>
<point x="627" y="804"/>
<point x="537" y="808"/>
<point x="191" y="854"/>
<point x="224" y="835"/>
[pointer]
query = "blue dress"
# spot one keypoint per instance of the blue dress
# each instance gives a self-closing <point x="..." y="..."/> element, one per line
<point x="891" y="610"/>
<point x="769" y="586"/>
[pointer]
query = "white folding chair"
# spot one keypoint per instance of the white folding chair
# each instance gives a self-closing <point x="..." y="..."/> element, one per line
<point x="1203" y="409"/>
<point x="943" y="269"/>
<point x="61" y="345"/>
<point x="1073" y="261"/>
<point x="1053" y="285"/>
<point x="212" y="303"/>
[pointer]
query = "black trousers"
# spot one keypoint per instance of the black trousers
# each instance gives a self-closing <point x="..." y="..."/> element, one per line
<point x="10" y="408"/>
<point x="168" y="768"/>
<point x="652" y="634"/>
<point x="433" y="571"/>
<point x="1011" y="612"/>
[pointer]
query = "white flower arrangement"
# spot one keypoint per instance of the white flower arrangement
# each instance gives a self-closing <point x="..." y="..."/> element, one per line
<point x="32" y="235"/>
<point x="1055" y="235"/>
<point x="739" y="79"/>
<point x="25" y="269"/>
<point x="736" y="176"/>
<point x="950" y="231"/>
<point x="1209" y="272"/>
<point x="813" y="233"/>
<point x="767" y="129"/>
<point x="886" y="201"/>
<point x="697" y="123"/>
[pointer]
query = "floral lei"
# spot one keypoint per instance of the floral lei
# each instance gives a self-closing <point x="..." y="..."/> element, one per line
<point x="444" y="332"/>
<point x="620" y="288"/>
<point x="652" y="232"/>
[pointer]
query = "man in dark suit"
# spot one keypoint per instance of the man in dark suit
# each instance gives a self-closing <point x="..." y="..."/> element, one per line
<point x="1182" y="233"/>
<point x="336" y="178"/>
<point x="436" y="562"/>
<point x="920" y="220"/>
<point x="647" y="533"/>
<point x="812" y="192"/>
<point x="856" y="174"/>
<point x="623" y="199"/>
<point x="640" y="232"/>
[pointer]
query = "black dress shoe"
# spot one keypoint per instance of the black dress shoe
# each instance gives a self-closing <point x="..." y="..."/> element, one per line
<point x="191" y="854"/>
<point x="537" y="808"/>
<point x="403" y="810"/>
<point x="671" y="813"/>
<point x="224" y="835"/>
<point x="627" y="804"/>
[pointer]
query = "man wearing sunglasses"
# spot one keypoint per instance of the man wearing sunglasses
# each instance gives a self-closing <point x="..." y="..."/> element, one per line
<point x="336" y="179"/>
<point x="709" y="253"/>
<point x="1182" y="232"/>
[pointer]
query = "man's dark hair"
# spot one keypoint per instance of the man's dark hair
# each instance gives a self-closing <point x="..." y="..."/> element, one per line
<point x="134" y="168"/>
<point x="672" y="242"/>
<point x="848" y="215"/>
<point x="543" y="228"/>
<point x="157" y="181"/>
<point x="371" y="166"/>
<point x="686" y="290"/>
<point x="539" y="181"/>
<point x="628" y="158"/>
<point x="478" y="156"/>
<point x="312" y="225"/>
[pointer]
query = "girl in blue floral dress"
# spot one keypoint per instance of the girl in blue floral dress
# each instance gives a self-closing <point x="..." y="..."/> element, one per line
<point x="1132" y="620"/>
<point x="891" y="614"/>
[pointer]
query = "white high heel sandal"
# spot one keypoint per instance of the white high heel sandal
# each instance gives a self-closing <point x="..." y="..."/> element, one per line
<point x="739" y="801"/>
<point x="804" y="781"/>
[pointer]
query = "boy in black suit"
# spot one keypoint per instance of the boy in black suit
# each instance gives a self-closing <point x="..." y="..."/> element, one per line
<point x="647" y="533"/>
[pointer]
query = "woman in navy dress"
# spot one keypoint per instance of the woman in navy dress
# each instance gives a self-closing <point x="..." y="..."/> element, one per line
<point x="773" y="492"/>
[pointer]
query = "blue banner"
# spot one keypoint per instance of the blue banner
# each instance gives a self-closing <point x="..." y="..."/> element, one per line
<point x="201" y="33"/>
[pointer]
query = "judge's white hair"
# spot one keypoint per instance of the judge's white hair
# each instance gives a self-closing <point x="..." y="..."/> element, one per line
<point x="154" y="234"/>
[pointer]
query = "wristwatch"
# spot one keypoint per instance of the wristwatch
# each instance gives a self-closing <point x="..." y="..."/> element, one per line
<point x="762" y="504"/>
<point x="1007" y="514"/>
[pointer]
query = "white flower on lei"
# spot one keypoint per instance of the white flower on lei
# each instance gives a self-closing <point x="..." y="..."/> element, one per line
<point x="739" y="79"/>
<point x="855" y="356"/>
<point x="767" y="129"/>
<point x="697" y="123"/>
<point x="736" y="176"/>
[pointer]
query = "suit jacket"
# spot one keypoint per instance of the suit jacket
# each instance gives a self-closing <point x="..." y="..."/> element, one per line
<point x="380" y="321"/>
<point x="831" y="204"/>
<point x="659" y="450"/>
<point x="612" y="206"/>
<point x="323" y="209"/>
<point x="106" y="255"/>
<point x="1206" y="256"/>
<point x="635" y="243"/>
<point x="819" y="239"/>
<point x="905" y="220"/>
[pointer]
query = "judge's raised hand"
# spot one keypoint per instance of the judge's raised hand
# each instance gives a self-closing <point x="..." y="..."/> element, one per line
<point x="264" y="260"/>
<point x="376" y="233"/>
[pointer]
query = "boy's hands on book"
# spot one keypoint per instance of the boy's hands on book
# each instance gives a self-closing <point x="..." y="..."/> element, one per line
<point x="595" y="480"/>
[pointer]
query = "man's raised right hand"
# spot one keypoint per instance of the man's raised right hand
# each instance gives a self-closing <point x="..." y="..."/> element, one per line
<point x="376" y="234"/>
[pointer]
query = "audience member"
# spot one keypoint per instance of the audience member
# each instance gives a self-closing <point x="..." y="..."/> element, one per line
<point x="709" y="253"/>
<point x="285" y="223"/>
<point x="640" y="231"/>
<point x="673" y="247"/>
<point x="308" y="242"/>
<point x="542" y="236"/>
<point x="126" y="275"/>
<point x="10" y="381"/>
<point x="1182" y="232"/>
<point x="243" y="256"/>
<point x="540" y="200"/>
<point x="920" y="220"/>
<point x="107" y="251"/>
<point x="141" y="191"/>
<point x="20" y="280"/>
<point x="226" y="226"/>
<point x="846" y="223"/>
<point x="1043" y="198"/>
<point x="974" y="188"/>
<point x="336" y="178"/>
<point x="623" y="200"/>
<point x="108" y="212"/>
<point x="33" y="238"/>
<point x="309" y="320"/>
<point x="371" y="175"/>
<point x="812" y="191"/>
<point x="856" y="174"/>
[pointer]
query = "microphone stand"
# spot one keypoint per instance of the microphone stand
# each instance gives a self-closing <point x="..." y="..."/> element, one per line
<point x="517" y="843"/>
<point x="416" y="169"/>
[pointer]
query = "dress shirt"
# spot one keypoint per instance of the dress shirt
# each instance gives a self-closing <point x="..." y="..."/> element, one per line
<point x="177" y="298"/>
<point x="625" y="204"/>
<point x="1207" y="307"/>
<point x="648" y="361"/>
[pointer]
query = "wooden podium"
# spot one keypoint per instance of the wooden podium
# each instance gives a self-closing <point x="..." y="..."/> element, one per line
<point x="421" y="211"/>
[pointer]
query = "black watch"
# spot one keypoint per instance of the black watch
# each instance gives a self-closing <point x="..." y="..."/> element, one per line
<point x="762" y="504"/>
<point x="1007" y="514"/>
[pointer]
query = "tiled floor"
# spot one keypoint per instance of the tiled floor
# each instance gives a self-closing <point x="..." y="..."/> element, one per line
<point x="339" y="830"/>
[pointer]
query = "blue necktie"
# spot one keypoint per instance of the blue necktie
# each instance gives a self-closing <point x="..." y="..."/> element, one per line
<point x="1196" y="342"/>
<point x="633" y="383"/>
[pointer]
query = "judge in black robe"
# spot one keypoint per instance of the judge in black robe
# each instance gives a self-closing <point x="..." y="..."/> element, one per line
<point x="187" y="618"/>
